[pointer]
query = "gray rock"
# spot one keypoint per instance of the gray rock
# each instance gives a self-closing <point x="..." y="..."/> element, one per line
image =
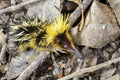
<point x="45" y="9"/>
<point x="19" y="63"/>
<point x="100" y="27"/>
<point x="98" y="35"/>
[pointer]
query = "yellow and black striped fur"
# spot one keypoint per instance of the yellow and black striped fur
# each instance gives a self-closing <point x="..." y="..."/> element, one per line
<point x="41" y="34"/>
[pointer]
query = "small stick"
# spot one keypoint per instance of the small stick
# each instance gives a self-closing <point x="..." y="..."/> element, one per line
<point x="3" y="50"/>
<point x="77" y="13"/>
<point x="90" y="69"/>
<point x="2" y="53"/>
<point x="29" y="70"/>
<point x="16" y="7"/>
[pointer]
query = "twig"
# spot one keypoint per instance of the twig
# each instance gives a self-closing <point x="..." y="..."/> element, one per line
<point x="29" y="70"/>
<point x="16" y="7"/>
<point x="90" y="69"/>
<point x="3" y="50"/>
<point x="81" y="62"/>
<point x="2" y="54"/>
<point x="77" y="13"/>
